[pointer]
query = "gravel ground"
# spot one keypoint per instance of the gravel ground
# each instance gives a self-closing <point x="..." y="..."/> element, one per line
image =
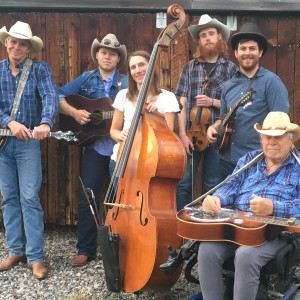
<point x="65" y="282"/>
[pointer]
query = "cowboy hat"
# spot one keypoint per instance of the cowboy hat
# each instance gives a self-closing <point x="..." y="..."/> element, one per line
<point x="278" y="123"/>
<point x="250" y="31"/>
<point x="21" y="30"/>
<point x="109" y="41"/>
<point x="206" y="21"/>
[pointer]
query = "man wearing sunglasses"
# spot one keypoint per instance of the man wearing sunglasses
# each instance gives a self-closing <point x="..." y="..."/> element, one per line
<point x="105" y="81"/>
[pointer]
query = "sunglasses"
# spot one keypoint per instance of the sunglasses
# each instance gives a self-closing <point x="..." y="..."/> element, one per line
<point x="109" y="42"/>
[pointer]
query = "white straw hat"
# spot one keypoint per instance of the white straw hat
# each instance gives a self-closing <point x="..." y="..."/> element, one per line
<point x="21" y="30"/>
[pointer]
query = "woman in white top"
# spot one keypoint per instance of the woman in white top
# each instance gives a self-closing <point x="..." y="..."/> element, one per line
<point x="158" y="99"/>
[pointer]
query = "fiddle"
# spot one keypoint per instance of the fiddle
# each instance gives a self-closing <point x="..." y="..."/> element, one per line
<point x="199" y="117"/>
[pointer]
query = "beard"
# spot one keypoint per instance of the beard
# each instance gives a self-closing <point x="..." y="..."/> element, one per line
<point x="211" y="49"/>
<point x="248" y="66"/>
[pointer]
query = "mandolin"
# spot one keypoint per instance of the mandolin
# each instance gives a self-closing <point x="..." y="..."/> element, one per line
<point x="227" y="122"/>
<point x="242" y="228"/>
<point x="101" y="117"/>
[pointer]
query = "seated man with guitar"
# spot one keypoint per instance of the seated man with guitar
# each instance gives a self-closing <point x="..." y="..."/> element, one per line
<point x="246" y="99"/>
<point x="268" y="186"/>
<point x="96" y="85"/>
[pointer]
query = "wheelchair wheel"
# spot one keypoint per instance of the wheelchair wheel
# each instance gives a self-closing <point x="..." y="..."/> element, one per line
<point x="297" y="296"/>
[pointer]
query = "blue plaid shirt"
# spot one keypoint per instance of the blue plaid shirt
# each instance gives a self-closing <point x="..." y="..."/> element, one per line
<point x="192" y="79"/>
<point x="39" y="101"/>
<point x="282" y="186"/>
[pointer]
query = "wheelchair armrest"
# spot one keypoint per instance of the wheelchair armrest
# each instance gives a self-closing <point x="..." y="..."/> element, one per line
<point x="281" y="258"/>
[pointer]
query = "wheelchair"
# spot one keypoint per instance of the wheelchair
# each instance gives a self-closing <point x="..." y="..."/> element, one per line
<point x="279" y="278"/>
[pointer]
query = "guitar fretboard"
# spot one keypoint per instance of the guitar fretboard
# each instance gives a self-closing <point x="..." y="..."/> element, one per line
<point x="5" y="132"/>
<point x="275" y="221"/>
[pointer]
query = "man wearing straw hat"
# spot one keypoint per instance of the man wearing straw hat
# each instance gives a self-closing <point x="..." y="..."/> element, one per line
<point x="105" y="81"/>
<point x="268" y="187"/>
<point x="200" y="86"/>
<point x="270" y="94"/>
<point x="28" y="107"/>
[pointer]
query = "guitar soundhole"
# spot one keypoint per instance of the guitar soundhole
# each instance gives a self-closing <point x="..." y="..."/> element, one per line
<point x="200" y="215"/>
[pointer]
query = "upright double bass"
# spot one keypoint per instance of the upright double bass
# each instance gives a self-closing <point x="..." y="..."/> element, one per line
<point x="143" y="213"/>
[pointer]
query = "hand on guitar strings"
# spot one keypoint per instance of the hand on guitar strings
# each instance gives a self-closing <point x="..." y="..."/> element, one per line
<point x="123" y="135"/>
<point x="19" y="130"/>
<point x="81" y="116"/>
<point x="211" y="204"/>
<point x="261" y="206"/>
<point x="212" y="133"/>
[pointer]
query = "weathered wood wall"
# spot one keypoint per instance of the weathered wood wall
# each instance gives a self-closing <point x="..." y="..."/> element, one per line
<point x="67" y="40"/>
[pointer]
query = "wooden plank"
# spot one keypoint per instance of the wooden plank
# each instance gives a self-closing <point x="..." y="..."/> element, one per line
<point x="285" y="54"/>
<point x="296" y="101"/>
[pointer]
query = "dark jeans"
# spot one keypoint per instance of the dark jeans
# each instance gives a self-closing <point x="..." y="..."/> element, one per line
<point x="94" y="175"/>
<point x="226" y="168"/>
<point x="210" y="175"/>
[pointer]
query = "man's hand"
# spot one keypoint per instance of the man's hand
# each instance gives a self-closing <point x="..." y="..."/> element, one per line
<point x="19" y="130"/>
<point x="211" y="204"/>
<point x="261" y="206"/>
<point x="41" y="132"/>
<point x="81" y="116"/>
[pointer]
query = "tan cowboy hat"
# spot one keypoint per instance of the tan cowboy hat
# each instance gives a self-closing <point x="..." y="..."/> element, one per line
<point x="206" y="21"/>
<point x="278" y="123"/>
<point x="21" y="30"/>
<point x="109" y="41"/>
<point x="250" y="31"/>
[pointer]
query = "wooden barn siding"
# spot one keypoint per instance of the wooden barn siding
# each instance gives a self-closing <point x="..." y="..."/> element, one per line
<point x="67" y="40"/>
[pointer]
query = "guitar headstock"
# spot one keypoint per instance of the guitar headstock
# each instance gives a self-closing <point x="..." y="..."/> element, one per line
<point x="67" y="136"/>
<point x="246" y="99"/>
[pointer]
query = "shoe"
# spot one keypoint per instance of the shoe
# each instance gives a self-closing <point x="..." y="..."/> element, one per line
<point x="80" y="260"/>
<point x="11" y="261"/>
<point x="39" y="270"/>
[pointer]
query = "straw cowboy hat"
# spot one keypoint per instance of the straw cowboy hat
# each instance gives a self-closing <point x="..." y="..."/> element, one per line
<point x="21" y="30"/>
<point x="250" y="31"/>
<point x="206" y="21"/>
<point x="109" y="41"/>
<point x="278" y="123"/>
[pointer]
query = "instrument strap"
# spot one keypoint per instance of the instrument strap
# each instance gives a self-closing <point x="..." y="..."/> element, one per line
<point x="21" y="86"/>
<point x="294" y="151"/>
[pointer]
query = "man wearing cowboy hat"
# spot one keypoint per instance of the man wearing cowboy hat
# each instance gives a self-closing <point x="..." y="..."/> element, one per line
<point x="200" y="86"/>
<point x="268" y="187"/>
<point x="270" y="94"/>
<point x="105" y="81"/>
<point x="30" y="121"/>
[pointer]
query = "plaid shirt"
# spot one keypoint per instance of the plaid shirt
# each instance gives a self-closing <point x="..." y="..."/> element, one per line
<point x="282" y="186"/>
<point x="192" y="79"/>
<point x="39" y="101"/>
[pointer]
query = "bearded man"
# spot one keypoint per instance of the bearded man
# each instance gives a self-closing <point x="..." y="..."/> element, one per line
<point x="249" y="46"/>
<point x="199" y="87"/>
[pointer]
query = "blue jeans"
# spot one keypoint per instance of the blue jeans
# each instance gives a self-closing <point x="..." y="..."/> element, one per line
<point x="94" y="174"/>
<point x="20" y="182"/>
<point x="210" y="175"/>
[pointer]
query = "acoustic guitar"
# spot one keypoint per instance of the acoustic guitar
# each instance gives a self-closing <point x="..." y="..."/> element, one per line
<point x="101" y="117"/>
<point x="227" y="122"/>
<point x="242" y="228"/>
<point x="59" y="135"/>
